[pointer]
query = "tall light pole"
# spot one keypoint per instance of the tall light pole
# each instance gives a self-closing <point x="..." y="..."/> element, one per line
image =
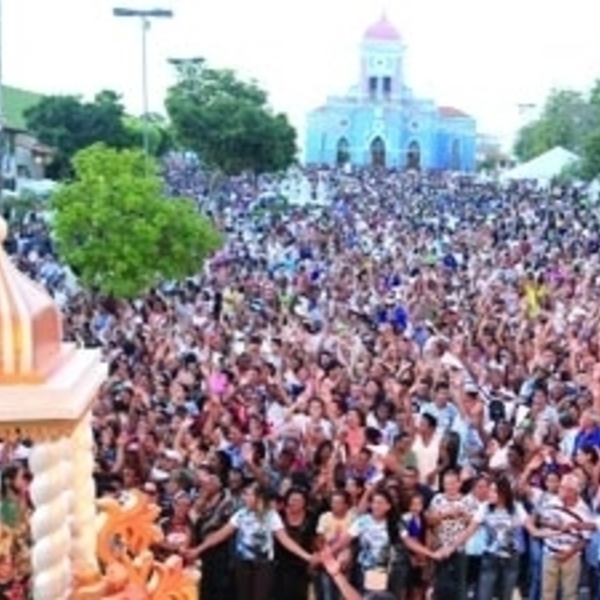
<point x="145" y="17"/>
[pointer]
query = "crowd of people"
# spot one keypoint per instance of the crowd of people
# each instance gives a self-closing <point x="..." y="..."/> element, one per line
<point x="393" y="394"/>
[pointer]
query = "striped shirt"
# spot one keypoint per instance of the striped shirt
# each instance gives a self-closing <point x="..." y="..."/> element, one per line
<point x="555" y="515"/>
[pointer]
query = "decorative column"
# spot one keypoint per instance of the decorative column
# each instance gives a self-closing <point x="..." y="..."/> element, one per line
<point x="47" y="386"/>
<point x="83" y="516"/>
<point x="49" y="523"/>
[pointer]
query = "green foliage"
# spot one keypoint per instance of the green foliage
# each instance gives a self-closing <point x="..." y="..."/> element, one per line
<point x="228" y="122"/>
<point x="570" y="174"/>
<point x="569" y="119"/>
<point x="591" y="152"/>
<point x="118" y="232"/>
<point x="69" y="124"/>
<point x="159" y="134"/>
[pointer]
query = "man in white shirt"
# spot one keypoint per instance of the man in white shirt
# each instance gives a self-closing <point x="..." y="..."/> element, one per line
<point x="426" y="447"/>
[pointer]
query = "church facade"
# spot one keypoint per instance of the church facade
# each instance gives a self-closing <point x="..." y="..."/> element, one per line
<point x="382" y="123"/>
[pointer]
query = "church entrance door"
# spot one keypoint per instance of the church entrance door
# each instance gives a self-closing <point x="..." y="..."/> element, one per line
<point x="455" y="162"/>
<point x="343" y="152"/>
<point x="413" y="156"/>
<point x="378" y="152"/>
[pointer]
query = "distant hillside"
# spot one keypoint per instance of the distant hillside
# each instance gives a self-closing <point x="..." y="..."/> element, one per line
<point x="16" y="102"/>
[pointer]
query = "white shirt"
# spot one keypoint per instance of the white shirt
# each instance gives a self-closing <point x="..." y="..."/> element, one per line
<point x="426" y="455"/>
<point x="304" y="422"/>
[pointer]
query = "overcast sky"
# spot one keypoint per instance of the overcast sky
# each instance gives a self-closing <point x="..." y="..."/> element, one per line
<point x="482" y="56"/>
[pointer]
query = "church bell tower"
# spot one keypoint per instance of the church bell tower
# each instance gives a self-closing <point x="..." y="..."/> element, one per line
<point x="381" y="58"/>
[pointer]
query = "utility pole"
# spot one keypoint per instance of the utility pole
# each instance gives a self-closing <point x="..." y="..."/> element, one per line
<point x="145" y="17"/>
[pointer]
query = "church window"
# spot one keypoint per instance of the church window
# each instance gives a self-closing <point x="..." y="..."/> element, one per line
<point x="414" y="125"/>
<point x="387" y="86"/>
<point x="372" y="87"/>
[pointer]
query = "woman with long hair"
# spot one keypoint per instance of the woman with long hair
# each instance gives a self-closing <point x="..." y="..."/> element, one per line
<point x="256" y="527"/>
<point x="414" y="534"/>
<point x="214" y="508"/>
<point x="292" y="574"/>
<point x="503" y="520"/>
<point x="375" y="533"/>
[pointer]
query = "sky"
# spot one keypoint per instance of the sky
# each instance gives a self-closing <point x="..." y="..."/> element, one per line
<point x="484" y="57"/>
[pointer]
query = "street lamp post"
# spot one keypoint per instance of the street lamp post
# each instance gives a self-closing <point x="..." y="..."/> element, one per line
<point x="145" y="17"/>
<point x="187" y="67"/>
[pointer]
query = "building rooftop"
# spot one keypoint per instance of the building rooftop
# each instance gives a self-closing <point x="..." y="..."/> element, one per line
<point x="382" y="31"/>
<point x="449" y="112"/>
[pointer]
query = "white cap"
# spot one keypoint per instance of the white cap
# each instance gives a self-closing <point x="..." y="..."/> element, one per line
<point x="158" y="475"/>
<point x="173" y="455"/>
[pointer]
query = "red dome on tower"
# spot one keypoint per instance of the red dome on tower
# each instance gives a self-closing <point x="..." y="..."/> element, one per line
<point x="382" y="31"/>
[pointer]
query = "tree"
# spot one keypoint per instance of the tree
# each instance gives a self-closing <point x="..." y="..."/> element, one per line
<point x="590" y="166"/>
<point x="228" y="122"/>
<point x="68" y="124"/>
<point x="565" y="121"/>
<point x="159" y="133"/>
<point x="570" y="119"/>
<point x="117" y="230"/>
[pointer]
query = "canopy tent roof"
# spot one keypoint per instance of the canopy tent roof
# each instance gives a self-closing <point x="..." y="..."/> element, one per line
<point x="544" y="167"/>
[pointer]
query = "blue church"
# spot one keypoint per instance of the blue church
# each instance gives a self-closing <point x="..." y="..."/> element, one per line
<point x="380" y="122"/>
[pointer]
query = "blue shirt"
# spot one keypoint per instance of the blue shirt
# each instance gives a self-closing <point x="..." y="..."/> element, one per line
<point x="589" y="438"/>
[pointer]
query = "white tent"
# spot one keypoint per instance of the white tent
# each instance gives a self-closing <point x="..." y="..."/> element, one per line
<point x="544" y="167"/>
<point x="38" y="187"/>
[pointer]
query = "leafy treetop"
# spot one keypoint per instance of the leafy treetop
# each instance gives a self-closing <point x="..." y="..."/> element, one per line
<point x="68" y="124"/>
<point x="228" y="122"/>
<point x="116" y="229"/>
<point x="570" y="119"/>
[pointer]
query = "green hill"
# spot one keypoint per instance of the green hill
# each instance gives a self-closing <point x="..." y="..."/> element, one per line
<point x="16" y="102"/>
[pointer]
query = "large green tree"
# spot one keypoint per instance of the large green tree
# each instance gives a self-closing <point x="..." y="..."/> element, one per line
<point x="570" y="119"/>
<point x="228" y="122"/>
<point x="566" y="119"/>
<point x="69" y="124"/>
<point x="117" y="230"/>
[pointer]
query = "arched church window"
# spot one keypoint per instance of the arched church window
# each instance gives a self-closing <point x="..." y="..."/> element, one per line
<point x="378" y="152"/>
<point x="387" y="87"/>
<point x="343" y="152"/>
<point x="413" y="156"/>
<point x="372" y="87"/>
